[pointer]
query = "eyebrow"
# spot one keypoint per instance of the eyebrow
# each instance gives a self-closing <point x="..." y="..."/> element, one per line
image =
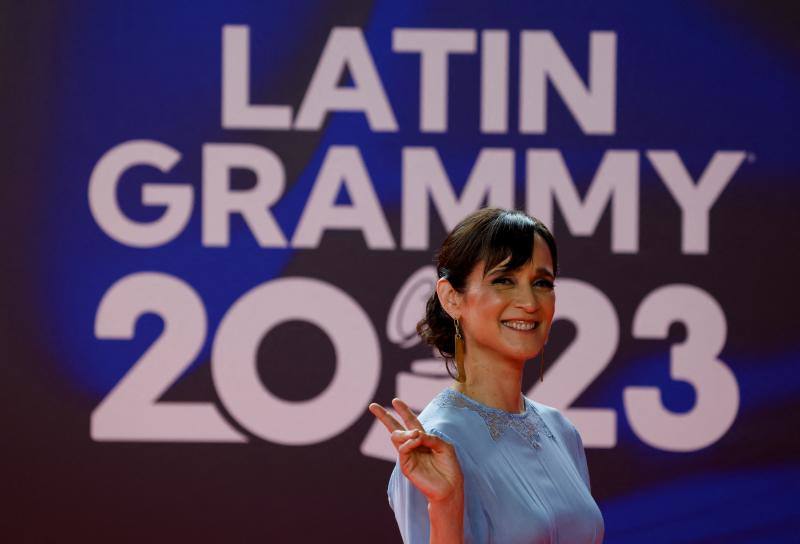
<point x="544" y="271"/>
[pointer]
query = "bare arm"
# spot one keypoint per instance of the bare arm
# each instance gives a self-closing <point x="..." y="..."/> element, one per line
<point x="431" y="465"/>
<point x="447" y="520"/>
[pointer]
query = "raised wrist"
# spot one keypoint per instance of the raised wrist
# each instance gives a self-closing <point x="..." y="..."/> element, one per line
<point x="454" y="499"/>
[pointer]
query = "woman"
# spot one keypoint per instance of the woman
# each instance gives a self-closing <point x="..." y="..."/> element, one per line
<point x="482" y="463"/>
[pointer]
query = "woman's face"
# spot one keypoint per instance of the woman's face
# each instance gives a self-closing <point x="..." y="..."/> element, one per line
<point x="507" y="313"/>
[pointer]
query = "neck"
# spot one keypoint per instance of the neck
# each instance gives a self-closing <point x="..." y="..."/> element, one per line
<point x="492" y="381"/>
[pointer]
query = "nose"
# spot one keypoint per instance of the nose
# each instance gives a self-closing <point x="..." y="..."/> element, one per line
<point x="526" y="299"/>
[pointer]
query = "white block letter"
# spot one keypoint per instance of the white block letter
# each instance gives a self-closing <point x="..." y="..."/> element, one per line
<point x="617" y="176"/>
<point x="695" y="200"/>
<point x="491" y="179"/>
<point x="103" y="195"/>
<point x="494" y="81"/>
<point x="219" y="201"/>
<point x="434" y="45"/>
<point x="541" y="58"/>
<point x="346" y="48"/>
<point x="237" y="112"/>
<point x="356" y="348"/>
<point x="343" y="167"/>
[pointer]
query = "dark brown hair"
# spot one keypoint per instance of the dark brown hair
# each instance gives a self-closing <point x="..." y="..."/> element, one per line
<point x="491" y="235"/>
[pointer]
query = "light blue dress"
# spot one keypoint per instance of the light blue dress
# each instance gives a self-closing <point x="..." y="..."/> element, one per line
<point x="525" y="476"/>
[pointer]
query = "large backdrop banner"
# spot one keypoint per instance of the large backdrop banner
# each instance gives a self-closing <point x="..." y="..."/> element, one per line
<point x="220" y="224"/>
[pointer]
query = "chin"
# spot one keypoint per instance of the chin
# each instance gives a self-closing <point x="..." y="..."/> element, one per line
<point x="522" y="354"/>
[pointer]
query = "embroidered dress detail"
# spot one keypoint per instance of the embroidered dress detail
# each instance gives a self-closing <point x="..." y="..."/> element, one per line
<point x="529" y="424"/>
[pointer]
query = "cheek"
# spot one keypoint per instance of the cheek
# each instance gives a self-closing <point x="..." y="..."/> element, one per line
<point x="550" y="307"/>
<point x="485" y="307"/>
<point x="491" y="302"/>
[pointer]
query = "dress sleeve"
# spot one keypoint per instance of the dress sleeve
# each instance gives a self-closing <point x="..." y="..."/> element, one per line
<point x="571" y="439"/>
<point x="411" y="507"/>
<point x="580" y="457"/>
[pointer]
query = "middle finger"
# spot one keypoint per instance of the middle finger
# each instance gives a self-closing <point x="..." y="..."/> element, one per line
<point x="386" y="418"/>
<point x="408" y="416"/>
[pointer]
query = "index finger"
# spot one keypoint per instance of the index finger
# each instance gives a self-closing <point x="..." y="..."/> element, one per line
<point x="385" y="417"/>
<point x="408" y="416"/>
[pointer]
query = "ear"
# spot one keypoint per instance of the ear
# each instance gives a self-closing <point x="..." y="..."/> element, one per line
<point x="449" y="298"/>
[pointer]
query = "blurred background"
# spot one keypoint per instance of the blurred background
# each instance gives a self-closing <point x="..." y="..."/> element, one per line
<point x="220" y="219"/>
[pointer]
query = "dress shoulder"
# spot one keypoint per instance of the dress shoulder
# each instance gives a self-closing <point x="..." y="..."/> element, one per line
<point x="553" y="417"/>
<point x="446" y="422"/>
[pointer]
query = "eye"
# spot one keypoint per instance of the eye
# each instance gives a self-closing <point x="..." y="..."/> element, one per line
<point x="544" y="284"/>
<point x="502" y="280"/>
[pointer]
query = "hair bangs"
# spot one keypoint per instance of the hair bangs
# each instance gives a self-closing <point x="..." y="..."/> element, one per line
<point x="508" y="243"/>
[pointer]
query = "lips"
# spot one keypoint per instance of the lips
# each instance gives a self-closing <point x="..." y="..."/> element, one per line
<point x="520" y="325"/>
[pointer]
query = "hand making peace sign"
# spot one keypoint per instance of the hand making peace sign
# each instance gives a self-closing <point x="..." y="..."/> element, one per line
<point x="426" y="460"/>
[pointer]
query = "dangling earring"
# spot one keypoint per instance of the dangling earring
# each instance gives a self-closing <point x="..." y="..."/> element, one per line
<point x="541" y="366"/>
<point x="459" y="354"/>
<point x="541" y="361"/>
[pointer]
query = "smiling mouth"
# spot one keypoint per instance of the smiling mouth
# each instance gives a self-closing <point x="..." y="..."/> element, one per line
<point x="521" y="325"/>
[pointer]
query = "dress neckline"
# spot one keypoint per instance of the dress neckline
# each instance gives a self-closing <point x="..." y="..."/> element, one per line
<point x="528" y="424"/>
<point x="485" y="408"/>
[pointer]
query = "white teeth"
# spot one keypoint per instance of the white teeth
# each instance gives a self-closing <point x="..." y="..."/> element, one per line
<point x="520" y="325"/>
